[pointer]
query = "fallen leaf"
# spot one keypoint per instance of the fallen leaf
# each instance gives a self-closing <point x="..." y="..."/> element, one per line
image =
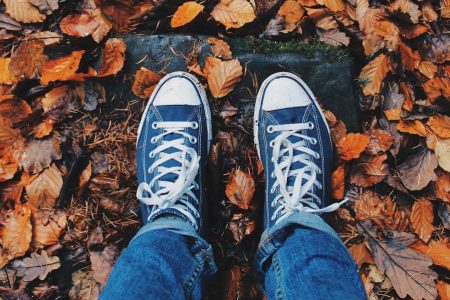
<point x="407" y="7"/>
<point x="372" y="75"/>
<point x="84" y="286"/>
<point x="220" y="48"/>
<point x="291" y="12"/>
<point x="113" y="57"/>
<point x="389" y="32"/>
<point x="443" y="187"/>
<point x="48" y="37"/>
<point x="240" y="188"/>
<point x="8" y="166"/>
<point x="368" y="206"/>
<point x="334" y="37"/>
<point x="63" y="101"/>
<point x="23" y="11"/>
<point x="439" y="251"/>
<point x="427" y="68"/>
<point x="392" y="218"/>
<point x="333" y="5"/>
<point x="379" y="141"/>
<point x="437" y="87"/>
<point x="422" y="219"/>
<point x="28" y="59"/>
<point x="442" y="151"/>
<point x="412" y="127"/>
<point x="46" y="6"/>
<point x="145" y="82"/>
<point x="6" y="22"/>
<point x="223" y="77"/>
<point x="407" y="270"/>
<point x="361" y="254"/>
<point x="44" y="190"/>
<point x="443" y="287"/>
<point x="445" y="9"/>
<point x="351" y="145"/>
<point x="43" y="129"/>
<point x="62" y="69"/>
<point x="185" y="13"/>
<point x="233" y="13"/>
<point x="15" y="232"/>
<point x="410" y="59"/>
<point x="408" y="96"/>
<point x="102" y="263"/>
<point x="5" y="75"/>
<point x="369" y="170"/>
<point x="47" y="227"/>
<point x="337" y="183"/>
<point x="440" y="125"/>
<point x="37" y="265"/>
<point x="418" y="170"/>
<point x="86" y="24"/>
<point x="210" y="63"/>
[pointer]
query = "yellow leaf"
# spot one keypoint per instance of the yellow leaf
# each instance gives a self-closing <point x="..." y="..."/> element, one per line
<point x="23" y="11"/>
<point x="373" y="74"/>
<point x="185" y="13"/>
<point x="413" y="127"/>
<point x="5" y="76"/>
<point x="233" y="13"/>
<point x="223" y="77"/>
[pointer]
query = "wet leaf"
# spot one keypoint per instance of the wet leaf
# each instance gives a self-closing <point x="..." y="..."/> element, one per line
<point x="422" y="219"/>
<point x="62" y="69"/>
<point x="44" y="190"/>
<point x="23" y="11"/>
<point x="351" y="145"/>
<point x="145" y="82"/>
<point x="185" y="14"/>
<point x="87" y="24"/>
<point x="233" y="13"/>
<point x="36" y="266"/>
<point x="240" y="188"/>
<point x="418" y="170"/>
<point x="372" y="75"/>
<point x="113" y="57"/>
<point x="223" y="77"/>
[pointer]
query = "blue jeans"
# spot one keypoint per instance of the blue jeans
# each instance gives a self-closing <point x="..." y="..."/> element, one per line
<point x="299" y="258"/>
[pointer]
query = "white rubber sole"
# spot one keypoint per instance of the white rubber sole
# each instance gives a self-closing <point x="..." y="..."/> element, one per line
<point x="258" y="103"/>
<point x="201" y="92"/>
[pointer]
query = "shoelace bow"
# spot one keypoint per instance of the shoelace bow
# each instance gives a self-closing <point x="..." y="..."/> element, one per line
<point x="173" y="194"/>
<point x="299" y="196"/>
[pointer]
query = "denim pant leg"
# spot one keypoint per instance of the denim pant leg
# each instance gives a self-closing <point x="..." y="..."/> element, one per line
<point x="166" y="260"/>
<point x="303" y="258"/>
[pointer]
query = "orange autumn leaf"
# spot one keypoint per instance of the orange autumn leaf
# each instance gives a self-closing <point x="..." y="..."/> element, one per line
<point x="427" y="68"/>
<point x="437" y="87"/>
<point x="220" y="48"/>
<point x="443" y="187"/>
<point x="8" y="165"/>
<point x="379" y="141"/>
<point x="408" y="93"/>
<point x="337" y="183"/>
<point x="233" y="13"/>
<point x="410" y="59"/>
<point x="443" y="288"/>
<point x="145" y="82"/>
<point x="47" y="227"/>
<point x="15" y="232"/>
<point x="210" y="63"/>
<point x="439" y="251"/>
<point x="23" y="11"/>
<point x="44" y="190"/>
<point x="351" y="145"/>
<point x="5" y="75"/>
<point x="185" y="13"/>
<point x="412" y="127"/>
<point x="292" y="12"/>
<point x="361" y="254"/>
<point x="369" y="170"/>
<point x="62" y="69"/>
<point x="43" y="129"/>
<point x="28" y="59"/>
<point x="368" y="206"/>
<point x="422" y="219"/>
<point x="373" y="74"/>
<point x="240" y="188"/>
<point x="86" y="24"/>
<point x="113" y="57"/>
<point x="223" y="77"/>
<point x="440" y="125"/>
<point x="333" y="5"/>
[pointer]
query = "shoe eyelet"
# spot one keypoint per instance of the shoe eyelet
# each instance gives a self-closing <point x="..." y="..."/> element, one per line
<point x="317" y="155"/>
<point x="313" y="141"/>
<point x="272" y="175"/>
<point x="151" y="154"/>
<point x="272" y="190"/>
<point x="272" y="143"/>
<point x="196" y="186"/>
<point x="270" y="128"/>
<point x="193" y="140"/>
<point x="155" y="125"/>
<point x="319" y="171"/>
<point x="310" y="125"/>
<point x="194" y="125"/>
<point x="153" y="140"/>
<point x="272" y="204"/>
<point x="319" y="187"/>
<point x="150" y="170"/>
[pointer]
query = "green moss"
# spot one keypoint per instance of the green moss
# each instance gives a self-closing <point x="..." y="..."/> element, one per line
<point x="267" y="46"/>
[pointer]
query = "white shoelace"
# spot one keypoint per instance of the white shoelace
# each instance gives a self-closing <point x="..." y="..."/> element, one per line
<point x="299" y="196"/>
<point x="173" y="194"/>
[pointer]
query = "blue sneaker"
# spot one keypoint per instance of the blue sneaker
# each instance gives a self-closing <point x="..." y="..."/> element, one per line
<point x="173" y="141"/>
<point x="294" y="145"/>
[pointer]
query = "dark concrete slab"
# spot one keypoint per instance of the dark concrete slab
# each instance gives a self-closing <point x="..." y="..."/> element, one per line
<point x="327" y="70"/>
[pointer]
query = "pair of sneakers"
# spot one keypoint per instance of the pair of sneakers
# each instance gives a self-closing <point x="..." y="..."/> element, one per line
<point x="291" y="136"/>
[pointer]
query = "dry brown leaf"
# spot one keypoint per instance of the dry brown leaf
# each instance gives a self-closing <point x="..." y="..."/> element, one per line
<point x="368" y="17"/>
<point x="44" y="190"/>
<point x="15" y="232"/>
<point x="145" y="82"/>
<point x="233" y="13"/>
<point x="185" y="13"/>
<point x="47" y="227"/>
<point x="23" y="11"/>
<point x="392" y="218"/>
<point x="368" y="206"/>
<point x="440" y="125"/>
<point x="360" y="254"/>
<point x="36" y="266"/>
<point x="87" y="24"/>
<point x="379" y="141"/>
<point x="223" y="77"/>
<point x="437" y="87"/>
<point x="445" y="9"/>
<point x="408" y="94"/>
<point x="46" y="6"/>
<point x="369" y="170"/>
<point x="393" y="114"/>
<point x="351" y="146"/>
<point x="412" y="127"/>
<point x="210" y="63"/>
<point x="102" y="262"/>
<point x="307" y="2"/>
<point x="220" y="48"/>
<point x="333" y="5"/>
<point x="28" y="59"/>
<point x="322" y="18"/>
<point x="410" y="59"/>
<point x="5" y="75"/>
<point x="443" y="187"/>
<point x="442" y="151"/>
<point x="407" y="7"/>
<point x="334" y="37"/>
<point x="291" y="12"/>
<point x="427" y="68"/>
<point x="8" y="165"/>
<point x="48" y="37"/>
<point x="84" y="286"/>
<point x="428" y="13"/>
<point x="43" y="129"/>
<point x="240" y="188"/>
<point x="63" y="101"/>
<point x="372" y="75"/>
<point x="418" y="170"/>
<point x="36" y="155"/>
<point x="113" y="57"/>
<point x="439" y="251"/>
<point x="443" y="287"/>
<point x="62" y="69"/>
<point x="422" y="219"/>
<point x="389" y="32"/>
<point x="337" y="183"/>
